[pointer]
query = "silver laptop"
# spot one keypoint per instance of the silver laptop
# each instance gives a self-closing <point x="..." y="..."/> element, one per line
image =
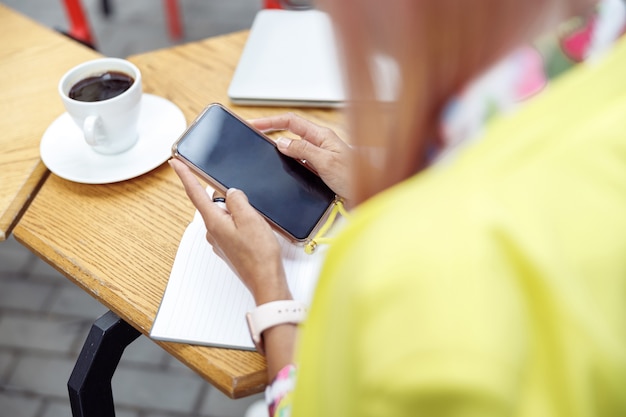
<point x="290" y="59"/>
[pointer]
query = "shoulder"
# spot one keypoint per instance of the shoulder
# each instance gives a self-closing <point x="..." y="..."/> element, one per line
<point x="411" y="297"/>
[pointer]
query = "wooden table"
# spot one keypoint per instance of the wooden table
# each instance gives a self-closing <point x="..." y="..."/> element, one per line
<point x="32" y="60"/>
<point x="118" y="241"/>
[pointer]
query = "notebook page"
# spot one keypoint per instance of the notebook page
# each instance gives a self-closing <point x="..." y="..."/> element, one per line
<point x="205" y="302"/>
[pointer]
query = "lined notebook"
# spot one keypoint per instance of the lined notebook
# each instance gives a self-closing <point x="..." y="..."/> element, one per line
<point x="205" y="302"/>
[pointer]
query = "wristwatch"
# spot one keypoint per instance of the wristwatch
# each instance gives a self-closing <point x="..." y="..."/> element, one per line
<point x="272" y="314"/>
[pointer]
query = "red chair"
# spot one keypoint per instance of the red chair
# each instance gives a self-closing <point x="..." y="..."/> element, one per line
<point x="173" y="19"/>
<point x="272" y="4"/>
<point x="288" y="4"/>
<point x="79" y="27"/>
<point x="81" y="31"/>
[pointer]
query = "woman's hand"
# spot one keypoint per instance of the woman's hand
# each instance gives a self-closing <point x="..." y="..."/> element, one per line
<point x="320" y="147"/>
<point x="241" y="237"/>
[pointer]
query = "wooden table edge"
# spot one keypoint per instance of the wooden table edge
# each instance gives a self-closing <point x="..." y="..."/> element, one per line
<point x="11" y="217"/>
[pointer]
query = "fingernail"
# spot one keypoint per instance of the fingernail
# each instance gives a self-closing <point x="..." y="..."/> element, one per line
<point x="283" y="142"/>
<point x="230" y="191"/>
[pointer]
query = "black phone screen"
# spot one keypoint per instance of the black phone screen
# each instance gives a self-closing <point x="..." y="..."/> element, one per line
<point x="236" y="156"/>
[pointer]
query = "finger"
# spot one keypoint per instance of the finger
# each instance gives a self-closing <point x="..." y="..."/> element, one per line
<point x="306" y="129"/>
<point x="218" y="194"/>
<point x="301" y="149"/>
<point x="264" y="124"/>
<point x="237" y="201"/>
<point x="197" y="193"/>
<point x="239" y="207"/>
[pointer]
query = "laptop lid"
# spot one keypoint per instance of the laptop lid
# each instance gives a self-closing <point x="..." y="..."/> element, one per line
<point x="290" y="59"/>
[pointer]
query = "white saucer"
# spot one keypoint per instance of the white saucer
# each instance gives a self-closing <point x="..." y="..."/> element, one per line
<point x="65" y="152"/>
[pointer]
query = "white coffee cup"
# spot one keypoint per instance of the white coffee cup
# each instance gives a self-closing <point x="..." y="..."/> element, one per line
<point x="108" y="125"/>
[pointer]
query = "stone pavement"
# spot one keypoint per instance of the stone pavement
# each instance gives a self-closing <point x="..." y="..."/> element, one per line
<point x="44" y="318"/>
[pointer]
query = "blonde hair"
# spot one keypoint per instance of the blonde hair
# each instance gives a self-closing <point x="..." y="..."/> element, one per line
<point x="437" y="47"/>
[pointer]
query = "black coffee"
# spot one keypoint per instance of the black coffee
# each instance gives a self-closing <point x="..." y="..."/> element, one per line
<point x="101" y="87"/>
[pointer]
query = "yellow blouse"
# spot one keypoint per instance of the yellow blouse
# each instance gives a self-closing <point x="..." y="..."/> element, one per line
<point x="493" y="285"/>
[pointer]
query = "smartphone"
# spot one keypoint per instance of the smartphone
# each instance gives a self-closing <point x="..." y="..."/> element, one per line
<point x="229" y="153"/>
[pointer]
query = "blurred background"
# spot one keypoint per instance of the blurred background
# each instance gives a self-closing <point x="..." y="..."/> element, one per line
<point x="44" y="318"/>
<point x="141" y="25"/>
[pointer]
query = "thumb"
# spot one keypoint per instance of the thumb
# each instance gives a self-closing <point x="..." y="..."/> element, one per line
<point x="237" y="204"/>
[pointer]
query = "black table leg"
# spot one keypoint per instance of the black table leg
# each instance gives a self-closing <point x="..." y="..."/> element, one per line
<point x="90" y="383"/>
